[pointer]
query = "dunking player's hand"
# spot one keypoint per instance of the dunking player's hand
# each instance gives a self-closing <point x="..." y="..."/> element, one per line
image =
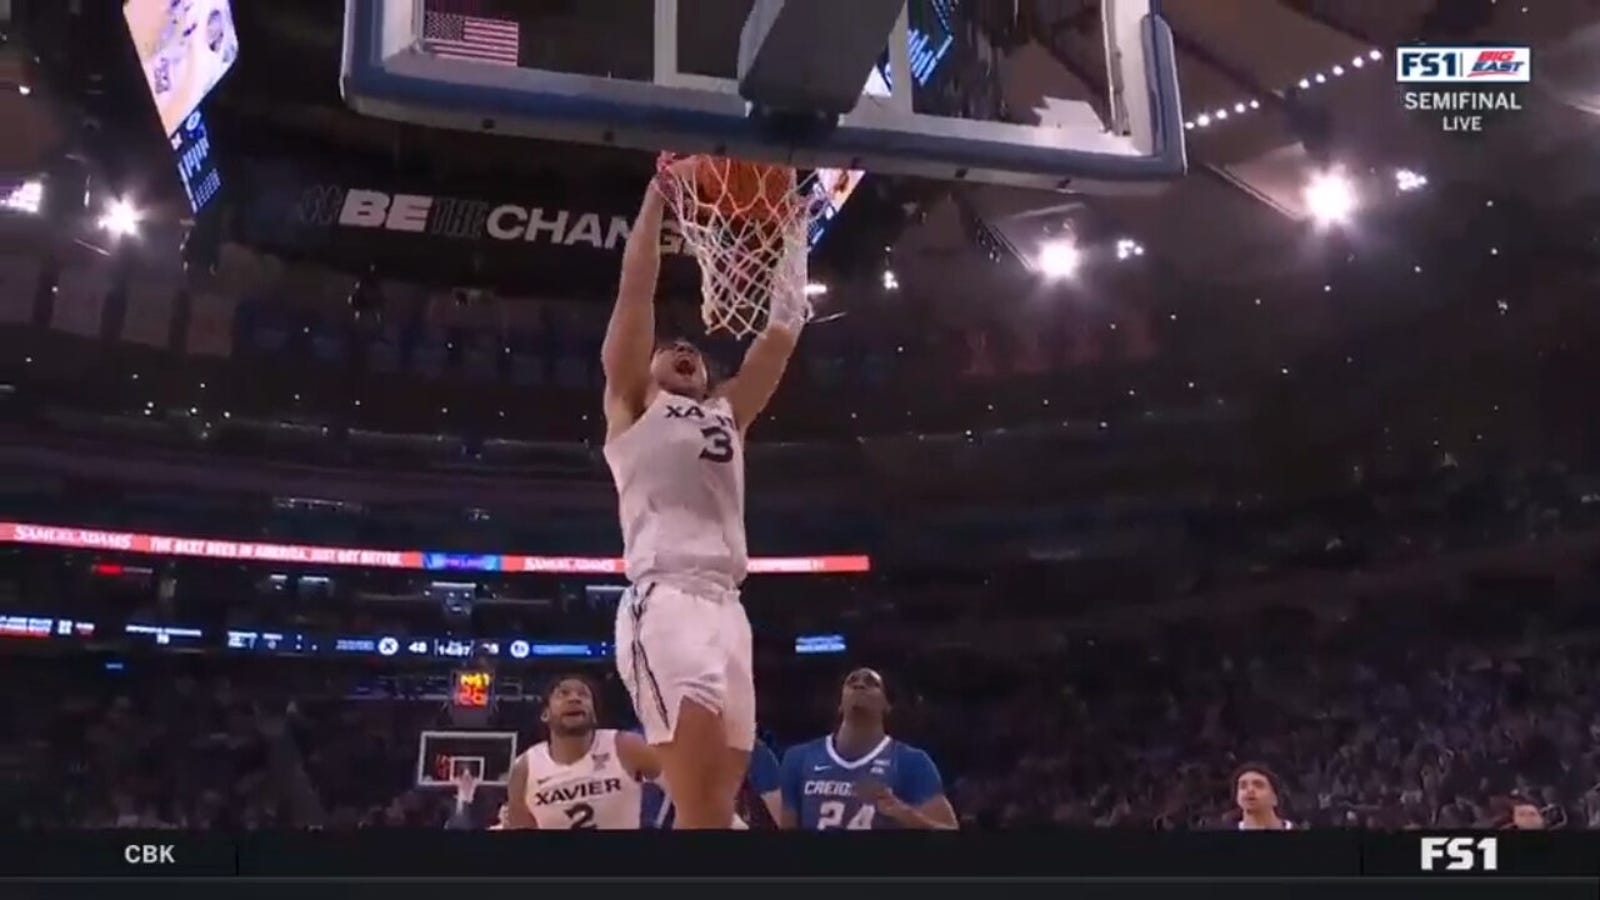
<point x="672" y="172"/>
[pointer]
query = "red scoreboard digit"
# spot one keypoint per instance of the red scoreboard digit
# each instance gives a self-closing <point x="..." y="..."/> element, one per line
<point x="473" y="688"/>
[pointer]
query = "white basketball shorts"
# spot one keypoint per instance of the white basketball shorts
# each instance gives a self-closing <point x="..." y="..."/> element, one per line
<point x="675" y="644"/>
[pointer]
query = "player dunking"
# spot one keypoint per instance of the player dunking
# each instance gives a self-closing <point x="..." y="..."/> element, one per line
<point x="582" y="776"/>
<point x="676" y="450"/>
<point x="859" y="778"/>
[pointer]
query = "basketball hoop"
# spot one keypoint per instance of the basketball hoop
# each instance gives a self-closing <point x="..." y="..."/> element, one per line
<point x="748" y="226"/>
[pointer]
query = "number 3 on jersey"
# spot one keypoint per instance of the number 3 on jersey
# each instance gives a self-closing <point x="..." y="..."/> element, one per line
<point x="831" y="815"/>
<point x="719" y="444"/>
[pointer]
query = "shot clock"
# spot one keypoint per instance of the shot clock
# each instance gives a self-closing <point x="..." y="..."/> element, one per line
<point x="471" y="697"/>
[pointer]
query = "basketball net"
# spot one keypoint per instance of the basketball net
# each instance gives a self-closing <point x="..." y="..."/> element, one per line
<point x="748" y="227"/>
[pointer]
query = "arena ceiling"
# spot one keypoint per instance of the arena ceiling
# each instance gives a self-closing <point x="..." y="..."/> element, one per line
<point x="1237" y="219"/>
<point x="1233" y="223"/>
<point x="1257" y="136"/>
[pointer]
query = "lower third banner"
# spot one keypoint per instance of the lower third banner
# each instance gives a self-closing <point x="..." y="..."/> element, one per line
<point x="1099" y="854"/>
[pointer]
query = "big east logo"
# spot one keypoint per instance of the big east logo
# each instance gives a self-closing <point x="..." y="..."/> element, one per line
<point x="1436" y="65"/>
<point x="1500" y="65"/>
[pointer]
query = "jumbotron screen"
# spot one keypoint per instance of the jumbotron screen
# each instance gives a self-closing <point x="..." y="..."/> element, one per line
<point x="184" y="48"/>
<point x="931" y="37"/>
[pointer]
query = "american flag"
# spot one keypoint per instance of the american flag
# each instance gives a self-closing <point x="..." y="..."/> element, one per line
<point x="473" y="38"/>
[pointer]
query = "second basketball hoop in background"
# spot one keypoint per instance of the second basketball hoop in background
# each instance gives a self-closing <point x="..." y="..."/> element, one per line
<point x="748" y="226"/>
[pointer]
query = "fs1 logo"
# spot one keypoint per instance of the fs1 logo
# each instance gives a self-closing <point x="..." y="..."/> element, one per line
<point x="1463" y="65"/>
<point x="1460" y="854"/>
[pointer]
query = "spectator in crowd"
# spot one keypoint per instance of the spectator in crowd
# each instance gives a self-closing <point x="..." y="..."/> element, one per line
<point x="1256" y="793"/>
<point x="1526" y="816"/>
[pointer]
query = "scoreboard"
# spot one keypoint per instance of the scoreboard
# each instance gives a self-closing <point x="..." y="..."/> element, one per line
<point x="473" y="688"/>
<point x="471" y="697"/>
<point x="197" y="165"/>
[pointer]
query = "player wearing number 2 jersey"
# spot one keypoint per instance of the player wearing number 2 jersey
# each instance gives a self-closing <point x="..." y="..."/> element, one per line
<point x="859" y="778"/>
<point x="582" y="776"/>
<point x="676" y="450"/>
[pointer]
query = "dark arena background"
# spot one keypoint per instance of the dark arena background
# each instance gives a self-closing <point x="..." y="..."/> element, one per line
<point x="1268" y="500"/>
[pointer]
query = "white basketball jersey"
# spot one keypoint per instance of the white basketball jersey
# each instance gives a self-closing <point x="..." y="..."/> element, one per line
<point x="594" y="792"/>
<point x="680" y="489"/>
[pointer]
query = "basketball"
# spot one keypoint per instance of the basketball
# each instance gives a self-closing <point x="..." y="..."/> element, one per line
<point x="744" y="190"/>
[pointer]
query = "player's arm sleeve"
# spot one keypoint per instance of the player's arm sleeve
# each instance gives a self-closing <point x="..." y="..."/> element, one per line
<point x="518" y="816"/>
<point x="922" y="789"/>
<point x="789" y="786"/>
<point x="766" y="780"/>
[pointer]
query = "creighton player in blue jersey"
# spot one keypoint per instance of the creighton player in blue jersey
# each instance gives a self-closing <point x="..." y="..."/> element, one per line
<point x="859" y="778"/>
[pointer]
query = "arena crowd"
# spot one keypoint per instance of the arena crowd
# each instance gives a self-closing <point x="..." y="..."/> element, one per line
<point x="1375" y="723"/>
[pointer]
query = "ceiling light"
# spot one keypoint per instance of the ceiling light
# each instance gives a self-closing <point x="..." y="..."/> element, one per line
<point x="1059" y="259"/>
<point x="25" y="197"/>
<point x="121" y="218"/>
<point x="1405" y="180"/>
<point x="1330" y="198"/>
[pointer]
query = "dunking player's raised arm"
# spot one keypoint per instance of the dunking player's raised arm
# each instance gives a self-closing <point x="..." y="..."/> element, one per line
<point x="630" y="336"/>
<point x="518" y="817"/>
<point x="764" y="363"/>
